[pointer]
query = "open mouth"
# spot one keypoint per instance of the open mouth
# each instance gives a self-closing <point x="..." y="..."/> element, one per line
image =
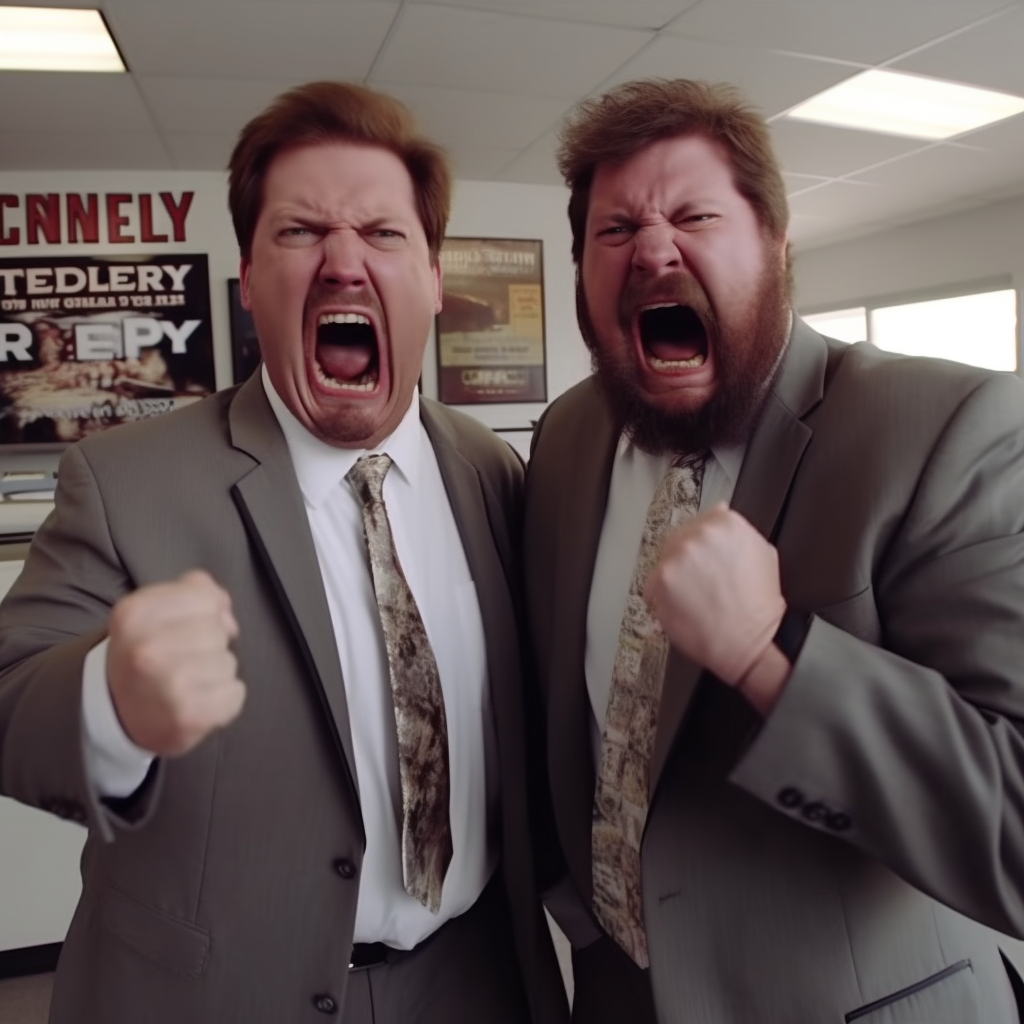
<point x="347" y="354"/>
<point x="673" y="338"/>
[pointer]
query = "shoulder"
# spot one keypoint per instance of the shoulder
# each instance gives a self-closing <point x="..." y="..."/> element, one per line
<point x="879" y="388"/>
<point x="473" y="440"/>
<point x="177" y="438"/>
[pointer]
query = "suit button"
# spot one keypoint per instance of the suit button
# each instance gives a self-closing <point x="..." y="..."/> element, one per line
<point x="790" y="797"/>
<point x="345" y="867"/>
<point x="814" y="811"/>
<point x="838" y="822"/>
<point x="325" y="1004"/>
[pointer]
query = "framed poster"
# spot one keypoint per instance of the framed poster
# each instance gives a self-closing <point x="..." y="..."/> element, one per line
<point x="245" y="348"/>
<point x="490" y="331"/>
<point x="90" y="341"/>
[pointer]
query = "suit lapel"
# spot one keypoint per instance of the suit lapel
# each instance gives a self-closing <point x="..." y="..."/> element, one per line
<point x="769" y="465"/>
<point x="583" y="498"/>
<point x="271" y="506"/>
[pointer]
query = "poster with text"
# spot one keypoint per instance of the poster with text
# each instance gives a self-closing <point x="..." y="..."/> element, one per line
<point x="90" y="341"/>
<point x="490" y="331"/>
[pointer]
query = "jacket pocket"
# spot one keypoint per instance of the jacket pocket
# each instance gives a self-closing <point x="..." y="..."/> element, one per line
<point x="948" y="997"/>
<point x="167" y="941"/>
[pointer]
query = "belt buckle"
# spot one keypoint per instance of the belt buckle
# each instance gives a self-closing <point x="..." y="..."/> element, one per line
<point x="367" y="954"/>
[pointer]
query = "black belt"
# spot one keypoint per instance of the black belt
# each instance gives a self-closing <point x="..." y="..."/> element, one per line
<point x="370" y="954"/>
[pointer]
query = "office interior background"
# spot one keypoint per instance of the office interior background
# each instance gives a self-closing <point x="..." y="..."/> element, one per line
<point x="900" y="240"/>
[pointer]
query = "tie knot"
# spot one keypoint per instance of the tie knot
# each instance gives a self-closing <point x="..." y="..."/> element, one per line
<point x="691" y="461"/>
<point x="367" y="477"/>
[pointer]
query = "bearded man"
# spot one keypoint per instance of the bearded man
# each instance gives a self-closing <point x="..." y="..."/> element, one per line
<point x="776" y="590"/>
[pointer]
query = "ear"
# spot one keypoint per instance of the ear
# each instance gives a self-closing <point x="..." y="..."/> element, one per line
<point x="244" y="266"/>
<point x="438" y="286"/>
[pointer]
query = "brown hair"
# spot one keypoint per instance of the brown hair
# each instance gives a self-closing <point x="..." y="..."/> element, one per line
<point x="322" y="112"/>
<point x="614" y="127"/>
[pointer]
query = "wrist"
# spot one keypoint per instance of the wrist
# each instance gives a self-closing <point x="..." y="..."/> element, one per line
<point x="763" y="682"/>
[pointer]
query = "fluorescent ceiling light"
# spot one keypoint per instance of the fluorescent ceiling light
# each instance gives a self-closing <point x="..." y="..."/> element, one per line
<point x="901" y="104"/>
<point x="55" y="39"/>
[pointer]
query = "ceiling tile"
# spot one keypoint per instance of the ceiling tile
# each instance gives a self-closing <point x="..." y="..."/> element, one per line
<point x="773" y="82"/>
<point x="297" y="40"/>
<point x="831" y="152"/>
<point x="842" y="200"/>
<point x="461" y="118"/>
<point x="207" y="105"/>
<point x="799" y="182"/>
<point x="459" y="49"/>
<point x="988" y="55"/>
<point x="480" y="164"/>
<point x="652" y="14"/>
<point x="82" y="151"/>
<point x="1002" y="137"/>
<point x="950" y="170"/>
<point x="67" y="101"/>
<point x="199" y="151"/>
<point x="843" y="31"/>
<point x="536" y="164"/>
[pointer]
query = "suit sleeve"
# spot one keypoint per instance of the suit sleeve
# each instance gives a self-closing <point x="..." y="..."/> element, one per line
<point x="915" y="752"/>
<point x="55" y="613"/>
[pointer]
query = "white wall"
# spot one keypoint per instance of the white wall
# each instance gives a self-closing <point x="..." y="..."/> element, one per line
<point x="981" y="245"/>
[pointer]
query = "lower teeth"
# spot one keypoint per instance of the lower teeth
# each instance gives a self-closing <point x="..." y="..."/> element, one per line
<point x="367" y="382"/>
<point x="676" y="364"/>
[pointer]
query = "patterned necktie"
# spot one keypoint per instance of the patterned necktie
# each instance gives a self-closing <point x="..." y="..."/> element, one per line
<point x="620" y="800"/>
<point x="418" y="700"/>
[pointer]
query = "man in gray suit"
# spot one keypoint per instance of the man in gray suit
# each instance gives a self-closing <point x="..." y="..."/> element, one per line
<point x="266" y="648"/>
<point x="776" y="592"/>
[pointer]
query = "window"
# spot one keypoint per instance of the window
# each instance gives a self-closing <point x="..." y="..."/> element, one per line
<point x="979" y="329"/>
<point x="842" y="324"/>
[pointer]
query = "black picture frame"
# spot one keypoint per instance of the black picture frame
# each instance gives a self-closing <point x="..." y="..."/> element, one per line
<point x="245" y="346"/>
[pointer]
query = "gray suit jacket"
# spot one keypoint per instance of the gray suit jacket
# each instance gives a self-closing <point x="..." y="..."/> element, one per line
<point x="826" y="864"/>
<point x="228" y="892"/>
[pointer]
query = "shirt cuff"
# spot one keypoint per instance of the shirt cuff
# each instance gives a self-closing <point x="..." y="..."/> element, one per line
<point x="116" y="766"/>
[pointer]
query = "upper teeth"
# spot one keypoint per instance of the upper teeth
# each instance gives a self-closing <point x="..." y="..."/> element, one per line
<point x="342" y="318"/>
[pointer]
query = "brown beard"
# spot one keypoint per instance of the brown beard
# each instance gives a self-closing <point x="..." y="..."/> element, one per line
<point x="746" y="362"/>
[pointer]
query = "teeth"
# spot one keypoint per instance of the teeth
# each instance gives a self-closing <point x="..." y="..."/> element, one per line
<point x="367" y="383"/>
<point x="342" y="318"/>
<point x="677" y="364"/>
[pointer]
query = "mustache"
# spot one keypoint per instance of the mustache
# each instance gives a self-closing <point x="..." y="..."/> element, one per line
<point x="675" y="288"/>
<point x="326" y="295"/>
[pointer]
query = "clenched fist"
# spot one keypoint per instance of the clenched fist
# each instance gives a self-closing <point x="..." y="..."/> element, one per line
<point x="170" y="669"/>
<point x="716" y="592"/>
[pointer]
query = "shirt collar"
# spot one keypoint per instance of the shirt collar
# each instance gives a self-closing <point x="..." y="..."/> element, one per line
<point x="728" y="456"/>
<point x="320" y="467"/>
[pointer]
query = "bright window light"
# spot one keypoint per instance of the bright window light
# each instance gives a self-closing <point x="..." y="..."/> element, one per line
<point x="55" y="39"/>
<point x="977" y="329"/>
<point x="841" y="324"/>
<point x="900" y="104"/>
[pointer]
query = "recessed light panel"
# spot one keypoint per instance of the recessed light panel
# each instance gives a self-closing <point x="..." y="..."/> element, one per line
<point x="56" y="39"/>
<point x="900" y="104"/>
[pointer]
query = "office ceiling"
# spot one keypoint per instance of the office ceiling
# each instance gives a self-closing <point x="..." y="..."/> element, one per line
<point x="491" y="79"/>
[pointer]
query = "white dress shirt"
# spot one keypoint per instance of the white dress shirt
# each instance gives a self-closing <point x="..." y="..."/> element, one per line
<point x="635" y="478"/>
<point x="431" y="553"/>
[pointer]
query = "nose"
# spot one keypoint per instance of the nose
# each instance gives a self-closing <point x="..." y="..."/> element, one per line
<point x="654" y="249"/>
<point x="343" y="265"/>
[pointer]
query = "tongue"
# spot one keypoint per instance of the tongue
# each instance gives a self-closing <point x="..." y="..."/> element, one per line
<point x="673" y="351"/>
<point x="345" y="362"/>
